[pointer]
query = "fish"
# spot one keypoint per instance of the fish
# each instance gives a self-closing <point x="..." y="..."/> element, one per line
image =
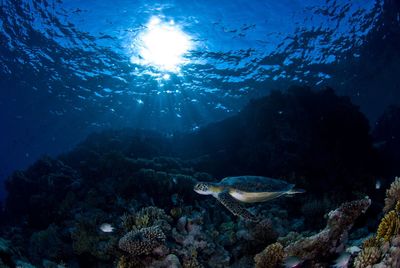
<point x="353" y="249"/>
<point x="342" y="261"/>
<point x="378" y="184"/>
<point x="292" y="262"/>
<point x="106" y="228"/>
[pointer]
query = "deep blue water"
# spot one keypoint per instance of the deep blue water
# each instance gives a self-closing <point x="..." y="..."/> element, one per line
<point x="68" y="68"/>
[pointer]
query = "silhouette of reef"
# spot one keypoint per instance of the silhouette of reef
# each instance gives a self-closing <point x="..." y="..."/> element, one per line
<point x="140" y="182"/>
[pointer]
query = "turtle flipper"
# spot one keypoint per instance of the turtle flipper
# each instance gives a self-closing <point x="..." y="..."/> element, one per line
<point x="235" y="207"/>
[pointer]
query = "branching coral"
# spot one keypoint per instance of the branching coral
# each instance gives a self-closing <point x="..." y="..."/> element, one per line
<point x="270" y="257"/>
<point x="389" y="226"/>
<point x="143" y="241"/>
<point x="367" y="257"/>
<point x="392" y="195"/>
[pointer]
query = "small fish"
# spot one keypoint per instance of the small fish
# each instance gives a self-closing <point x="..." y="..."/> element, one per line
<point x="292" y="262"/>
<point x="378" y="184"/>
<point x="342" y="261"/>
<point x="106" y="228"/>
<point x="353" y="249"/>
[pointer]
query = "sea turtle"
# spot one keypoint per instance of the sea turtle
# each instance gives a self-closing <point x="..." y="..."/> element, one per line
<point x="247" y="189"/>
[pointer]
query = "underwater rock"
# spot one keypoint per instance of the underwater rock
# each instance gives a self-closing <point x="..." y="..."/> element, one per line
<point x="330" y="240"/>
<point x="142" y="241"/>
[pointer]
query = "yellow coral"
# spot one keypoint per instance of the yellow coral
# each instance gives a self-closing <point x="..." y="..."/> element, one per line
<point x="270" y="257"/>
<point x="368" y="256"/>
<point x="389" y="226"/>
<point x="392" y="195"/>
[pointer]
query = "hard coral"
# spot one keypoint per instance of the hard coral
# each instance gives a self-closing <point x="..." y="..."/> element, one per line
<point x="367" y="257"/>
<point x="389" y="226"/>
<point x="150" y="216"/>
<point x="270" y="257"/>
<point x="142" y="241"/>
<point x="392" y="195"/>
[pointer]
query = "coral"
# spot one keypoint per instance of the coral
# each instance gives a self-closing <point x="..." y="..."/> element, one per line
<point x="392" y="195"/>
<point x="264" y="232"/>
<point x="142" y="241"/>
<point x="150" y="216"/>
<point x="392" y="256"/>
<point x="47" y="244"/>
<point x="270" y="257"/>
<point x="331" y="239"/>
<point x="371" y="242"/>
<point x="290" y="238"/>
<point x="86" y="237"/>
<point x="129" y="262"/>
<point x="191" y="261"/>
<point x="170" y="261"/>
<point x="367" y="257"/>
<point x="389" y="226"/>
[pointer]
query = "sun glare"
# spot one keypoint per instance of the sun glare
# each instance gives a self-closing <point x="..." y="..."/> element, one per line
<point x="163" y="45"/>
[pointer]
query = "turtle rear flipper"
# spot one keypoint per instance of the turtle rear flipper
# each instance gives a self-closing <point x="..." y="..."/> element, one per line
<point x="235" y="207"/>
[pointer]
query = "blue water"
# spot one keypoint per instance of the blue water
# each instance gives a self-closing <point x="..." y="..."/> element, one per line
<point x="68" y="68"/>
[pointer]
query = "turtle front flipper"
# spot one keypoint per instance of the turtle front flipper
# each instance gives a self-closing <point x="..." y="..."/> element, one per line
<point x="235" y="207"/>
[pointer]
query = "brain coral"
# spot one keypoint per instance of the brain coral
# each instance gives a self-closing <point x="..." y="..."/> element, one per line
<point x="142" y="241"/>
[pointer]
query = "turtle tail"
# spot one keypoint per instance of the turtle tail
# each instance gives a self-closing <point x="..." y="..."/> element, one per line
<point x="295" y="191"/>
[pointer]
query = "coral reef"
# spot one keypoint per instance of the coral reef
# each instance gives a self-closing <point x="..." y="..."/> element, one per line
<point x="141" y="184"/>
<point x="270" y="257"/>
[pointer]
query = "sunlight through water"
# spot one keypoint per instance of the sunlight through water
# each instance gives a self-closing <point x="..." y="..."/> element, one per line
<point x="162" y="45"/>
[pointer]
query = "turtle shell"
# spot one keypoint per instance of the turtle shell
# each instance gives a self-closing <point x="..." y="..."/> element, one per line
<point x="256" y="184"/>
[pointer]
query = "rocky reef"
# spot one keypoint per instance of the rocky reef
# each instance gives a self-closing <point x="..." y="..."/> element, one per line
<point x="124" y="198"/>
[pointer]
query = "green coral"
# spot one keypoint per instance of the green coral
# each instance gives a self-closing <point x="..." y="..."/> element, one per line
<point x="270" y="257"/>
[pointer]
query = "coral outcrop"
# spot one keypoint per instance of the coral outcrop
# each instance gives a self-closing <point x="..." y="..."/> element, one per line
<point x="332" y="239"/>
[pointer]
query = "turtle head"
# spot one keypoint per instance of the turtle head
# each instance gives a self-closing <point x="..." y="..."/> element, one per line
<point x="205" y="188"/>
